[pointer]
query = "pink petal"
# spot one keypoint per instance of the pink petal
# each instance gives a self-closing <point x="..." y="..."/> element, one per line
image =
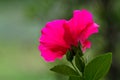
<point x="68" y="36"/>
<point x="79" y="21"/>
<point x="50" y="55"/>
<point x="85" y="45"/>
<point x="84" y="35"/>
<point x="88" y="31"/>
<point x="52" y="44"/>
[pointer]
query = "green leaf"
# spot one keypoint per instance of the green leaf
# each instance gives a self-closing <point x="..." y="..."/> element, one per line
<point x="98" y="67"/>
<point x="65" y="70"/>
<point x="75" y="78"/>
<point x="79" y="63"/>
<point x="69" y="56"/>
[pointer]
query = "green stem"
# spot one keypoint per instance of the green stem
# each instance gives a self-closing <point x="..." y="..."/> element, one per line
<point x="75" y="68"/>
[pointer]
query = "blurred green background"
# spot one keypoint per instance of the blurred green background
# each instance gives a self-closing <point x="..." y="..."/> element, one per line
<point x="20" y="24"/>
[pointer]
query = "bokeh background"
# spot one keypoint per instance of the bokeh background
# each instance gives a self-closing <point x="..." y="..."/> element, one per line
<point x="20" y="24"/>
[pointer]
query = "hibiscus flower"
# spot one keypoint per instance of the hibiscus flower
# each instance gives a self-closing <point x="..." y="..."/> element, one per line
<point x="59" y="35"/>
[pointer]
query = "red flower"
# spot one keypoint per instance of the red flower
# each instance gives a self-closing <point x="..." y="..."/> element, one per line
<point x="58" y="35"/>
